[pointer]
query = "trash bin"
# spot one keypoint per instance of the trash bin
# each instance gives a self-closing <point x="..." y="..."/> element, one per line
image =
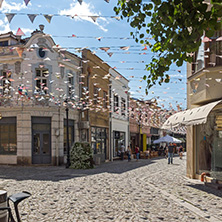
<point x="3" y="203"/>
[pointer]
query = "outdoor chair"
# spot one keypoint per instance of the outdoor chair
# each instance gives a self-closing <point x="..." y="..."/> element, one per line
<point x="15" y="199"/>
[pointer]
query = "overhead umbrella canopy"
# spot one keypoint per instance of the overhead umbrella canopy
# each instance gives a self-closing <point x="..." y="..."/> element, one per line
<point x="167" y="139"/>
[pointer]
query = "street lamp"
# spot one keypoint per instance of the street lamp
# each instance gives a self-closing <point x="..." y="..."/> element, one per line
<point x="67" y="134"/>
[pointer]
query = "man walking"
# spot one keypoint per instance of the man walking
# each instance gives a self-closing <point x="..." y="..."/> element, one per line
<point x="170" y="153"/>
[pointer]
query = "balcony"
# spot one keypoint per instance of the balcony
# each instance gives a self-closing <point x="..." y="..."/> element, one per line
<point x="205" y="86"/>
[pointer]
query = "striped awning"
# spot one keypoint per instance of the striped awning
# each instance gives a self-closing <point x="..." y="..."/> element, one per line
<point x="193" y="116"/>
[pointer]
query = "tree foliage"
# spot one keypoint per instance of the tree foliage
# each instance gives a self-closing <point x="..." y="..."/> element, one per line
<point x="176" y="27"/>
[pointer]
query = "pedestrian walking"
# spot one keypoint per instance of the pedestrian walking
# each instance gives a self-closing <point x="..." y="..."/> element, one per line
<point x="122" y="151"/>
<point x="137" y="150"/>
<point x="129" y="153"/>
<point x="170" y="153"/>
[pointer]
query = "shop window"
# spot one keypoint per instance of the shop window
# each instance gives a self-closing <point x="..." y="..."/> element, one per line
<point x="116" y="103"/>
<point x="71" y="135"/>
<point x="119" y="138"/>
<point x="8" y="137"/>
<point x="42" y="81"/>
<point x="98" y="140"/>
<point x="123" y="107"/>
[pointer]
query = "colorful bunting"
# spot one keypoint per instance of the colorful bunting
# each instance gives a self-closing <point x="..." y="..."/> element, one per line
<point x="32" y="17"/>
<point x="20" y="32"/>
<point x="26" y="2"/>
<point x="80" y="2"/>
<point x="48" y="17"/>
<point x="125" y="47"/>
<point x="20" y="50"/>
<point x="105" y="48"/>
<point x="206" y="39"/>
<point x="94" y="17"/>
<point x="9" y="16"/>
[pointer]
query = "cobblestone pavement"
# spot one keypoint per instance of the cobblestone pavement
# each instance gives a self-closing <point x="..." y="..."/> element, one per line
<point x="147" y="190"/>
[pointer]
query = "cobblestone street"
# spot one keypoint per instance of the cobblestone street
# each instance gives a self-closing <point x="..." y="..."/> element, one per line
<point x="147" y="190"/>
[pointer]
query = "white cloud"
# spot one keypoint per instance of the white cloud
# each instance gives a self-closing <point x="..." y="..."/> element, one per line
<point x="84" y="11"/>
<point x="7" y="8"/>
<point x="4" y="26"/>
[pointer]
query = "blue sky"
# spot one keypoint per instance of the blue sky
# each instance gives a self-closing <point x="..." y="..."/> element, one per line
<point x="114" y="34"/>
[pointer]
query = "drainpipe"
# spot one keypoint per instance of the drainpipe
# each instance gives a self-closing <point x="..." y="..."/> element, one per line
<point x="110" y="123"/>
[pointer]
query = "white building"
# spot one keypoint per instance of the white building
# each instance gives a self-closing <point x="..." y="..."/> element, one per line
<point x="36" y="78"/>
<point x="119" y="118"/>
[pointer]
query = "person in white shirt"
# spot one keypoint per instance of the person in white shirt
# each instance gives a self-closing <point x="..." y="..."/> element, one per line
<point x="122" y="151"/>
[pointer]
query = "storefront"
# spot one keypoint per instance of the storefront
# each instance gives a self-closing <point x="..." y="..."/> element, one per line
<point x="204" y="138"/>
<point x="119" y="139"/>
<point x="99" y="142"/>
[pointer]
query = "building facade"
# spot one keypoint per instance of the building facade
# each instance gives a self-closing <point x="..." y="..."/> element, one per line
<point x="119" y="115"/>
<point x="37" y="79"/>
<point x="204" y="116"/>
<point x="95" y="113"/>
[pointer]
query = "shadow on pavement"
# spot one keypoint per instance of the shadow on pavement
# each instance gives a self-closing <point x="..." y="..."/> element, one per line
<point x="206" y="189"/>
<point x="56" y="173"/>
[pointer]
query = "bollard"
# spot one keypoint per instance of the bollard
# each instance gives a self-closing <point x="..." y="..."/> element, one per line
<point x="3" y="203"/>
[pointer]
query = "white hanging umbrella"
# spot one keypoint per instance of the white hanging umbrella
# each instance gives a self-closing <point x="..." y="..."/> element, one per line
<point x="167" y="139"/>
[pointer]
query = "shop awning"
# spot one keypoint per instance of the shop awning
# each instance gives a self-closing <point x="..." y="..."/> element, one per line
<point x="193" y="116"/>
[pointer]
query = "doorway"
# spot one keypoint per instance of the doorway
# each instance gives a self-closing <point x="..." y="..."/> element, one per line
<point x="41" y="141"/>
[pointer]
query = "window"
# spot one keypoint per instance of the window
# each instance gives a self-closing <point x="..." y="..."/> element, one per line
<point x="123" y="107"/>
<point x="98" y="140"/>
<point x="62" y="71"/>
<point x="8" y="137"/>
<point x="71" y="135"/>
<point x="41" y="53"/>
<point x="5" y="82"/>
<point x="71" y="84"/>
<point x="116" y="103"/>
<point x="41" y="80"/>
<point x="96" y="94"/>
<point x="4" y="43"/>
<point x="104" y="99"/>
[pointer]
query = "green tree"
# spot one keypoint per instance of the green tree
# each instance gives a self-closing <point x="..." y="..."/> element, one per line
<point x="176" y="28"/>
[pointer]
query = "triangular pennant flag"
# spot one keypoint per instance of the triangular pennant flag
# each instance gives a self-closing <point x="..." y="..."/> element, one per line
<point x="26" y="2"/>
<point x="99" y="38"/>
<point x="105" y="48"/>
<point x="94" y="18"/>
<point x="32" y="17"/>
<point x="110" y="54"/>
<point x="206" y="39"/>
<point x="80" y="2"/>
<point x="219" y="39"/>
<point x="20" y="50"/>
<point x="124" y="47"/>
<point x="48" y="17"/>
<point x="9" y="16"/>
<point x="1" y="3"/>
<point x="20" y="32"/>
<point x="116" y="17"/>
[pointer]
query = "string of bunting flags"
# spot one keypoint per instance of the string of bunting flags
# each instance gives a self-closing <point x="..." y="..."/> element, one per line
<point x="49" y="17"/>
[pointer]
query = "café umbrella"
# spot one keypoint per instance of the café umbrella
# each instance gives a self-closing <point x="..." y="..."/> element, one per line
<point x="167" y="139"/>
